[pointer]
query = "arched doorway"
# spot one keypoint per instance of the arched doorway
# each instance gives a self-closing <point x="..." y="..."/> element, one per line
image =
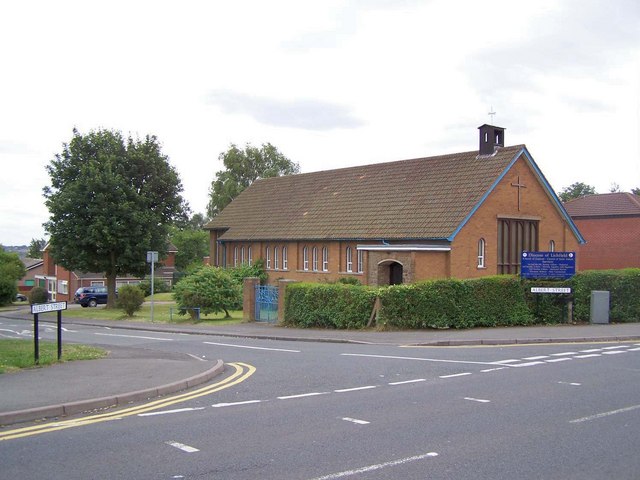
<point x="390" y="272"/>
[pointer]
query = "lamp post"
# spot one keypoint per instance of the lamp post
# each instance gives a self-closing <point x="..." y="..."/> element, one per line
<point x="152" y="258"/>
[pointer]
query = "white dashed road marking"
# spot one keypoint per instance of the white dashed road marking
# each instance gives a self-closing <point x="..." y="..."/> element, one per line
<point x="248" y="402"/>
<point x="604" y="414"/>
<point x="183" y="447"/>
<point x="355" y="389"/>
<point x="355" y="420"/>
<point x="370" y="468"/>
<point x="252" y="348"/>
<point x="455" y="375"/>
<point x="479" y="400"/>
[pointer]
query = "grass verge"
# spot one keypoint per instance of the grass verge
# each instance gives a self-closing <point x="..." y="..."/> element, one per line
<point x="17" y="353"/>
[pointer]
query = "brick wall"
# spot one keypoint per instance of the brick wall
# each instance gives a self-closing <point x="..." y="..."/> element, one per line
<point x="611" y="243"/>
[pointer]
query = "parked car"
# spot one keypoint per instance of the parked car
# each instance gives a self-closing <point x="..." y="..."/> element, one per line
<point x="20" y="297"/>
<point x="91" y="296"/>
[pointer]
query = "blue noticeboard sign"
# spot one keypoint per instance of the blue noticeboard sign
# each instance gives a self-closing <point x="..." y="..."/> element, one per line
<point x="548" y="265"/>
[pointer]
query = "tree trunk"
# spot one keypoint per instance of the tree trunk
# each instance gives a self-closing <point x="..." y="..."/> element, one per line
<point x="111" y="290"/>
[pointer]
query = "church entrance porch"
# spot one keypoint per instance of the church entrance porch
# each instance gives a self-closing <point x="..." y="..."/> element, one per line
<point x="390" y="272"/>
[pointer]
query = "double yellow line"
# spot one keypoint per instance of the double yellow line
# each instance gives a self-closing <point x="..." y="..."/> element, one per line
<point x="242" y="372"/>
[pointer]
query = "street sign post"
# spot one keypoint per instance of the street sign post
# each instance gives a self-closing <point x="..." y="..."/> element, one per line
<point x="152" y="258"/>
<point x="38" y="308"/>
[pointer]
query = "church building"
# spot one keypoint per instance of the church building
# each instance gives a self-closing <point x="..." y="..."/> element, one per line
<point x="462" y="215"/>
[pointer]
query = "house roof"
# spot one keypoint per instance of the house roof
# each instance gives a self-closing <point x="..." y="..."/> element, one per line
<point x="604" y="205"/>
<point x="423" y="198"/>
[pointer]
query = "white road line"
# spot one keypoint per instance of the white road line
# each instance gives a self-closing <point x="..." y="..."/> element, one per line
<point x="183" y="447"/>
<point x="504" y="362"/>
<point x="539" y="357"/>
<point x="527" y="364"/>
<point x="134" y="336"/>
<point x="355" y="420"/>
<point x="563" y="354"/>
<point x="492" y="369"/>
<point x="589" y="355"/>
<point x="591" y="350"/>
<point x="391" y="357"/>
<point x="480" y="400"/>
<point x="355" y="389"/>
<point x="166" y="412"/>
<point x="370" y="468"/>
<point x="409" y="381"/>
<point x="556" y="360"/>
<point x="312" y="394"/>
<point x="613" y="352"/>
<point x="252" y="348"/>
<point x="455" y="375"/>
<point x="233" y="404"/>
<point x="634" y="349"/>
<point x="570" y="383"/>
<point x="604" y="414"/>
<point x="196" y="357"/>
<point x="614" y="347"/>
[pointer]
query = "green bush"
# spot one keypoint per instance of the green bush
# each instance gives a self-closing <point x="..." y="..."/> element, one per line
<point x="349" y="281"/>
<point x="624" y="288"/>
<point x="130" y="299"/>
<point x="8" y="290"/>
<point x="256" y="269"/>
<point x="211" y="289"/>
<point x="38" y="295"/>
<point x="159" y="286"/>
<point x="325" y="305"/>
<point x="547" y="308"/>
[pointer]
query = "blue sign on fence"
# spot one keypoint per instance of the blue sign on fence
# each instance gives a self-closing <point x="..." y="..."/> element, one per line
<point x="548" y="265"/>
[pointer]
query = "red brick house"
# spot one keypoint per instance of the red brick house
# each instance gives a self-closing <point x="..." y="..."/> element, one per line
<point x="462" y="215"/>
<point x="610" y="224"/>
<point x="61" y="284"/>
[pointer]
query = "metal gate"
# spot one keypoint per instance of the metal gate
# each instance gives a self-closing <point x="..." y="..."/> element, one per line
<point x="266" y="304"/>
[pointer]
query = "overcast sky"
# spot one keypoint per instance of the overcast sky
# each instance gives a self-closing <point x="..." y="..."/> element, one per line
<point x="329" y="83"/>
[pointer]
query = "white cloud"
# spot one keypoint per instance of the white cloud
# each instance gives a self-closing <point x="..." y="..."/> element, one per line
<point x="331" y="84"/>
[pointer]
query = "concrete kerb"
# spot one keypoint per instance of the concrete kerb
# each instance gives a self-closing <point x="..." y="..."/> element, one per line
<point x="70" y="408"/>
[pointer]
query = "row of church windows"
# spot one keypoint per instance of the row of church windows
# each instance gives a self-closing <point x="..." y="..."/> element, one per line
<point x="273" y="257"/>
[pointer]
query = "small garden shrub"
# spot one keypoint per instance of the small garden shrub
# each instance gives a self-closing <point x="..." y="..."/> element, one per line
<point x="211" y="289"/>
<point x="159" y="286"/>
<point x="8" y="290"/>
<point x="38" y="295"/>
<point x="130" y="299"/>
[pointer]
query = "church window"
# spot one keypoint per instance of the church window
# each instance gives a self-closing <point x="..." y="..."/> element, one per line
<point x="285" y="259"/>
<point x="235" y="256"/>
<point x="360" y="261"/>
<point x="305" y="258"/>
<point x="268" y="259"/>
<point x="349" y="260"/>
<point x="249" y="259"/>
<point x="325" y="259"/>
<point x="514" y="237"/>
<point x="481" y="247"/>
<point x="275" y="258"/>
<point x="552" y="246"/>
<point x="242" y="252"/>
<point x="314" y="258"/>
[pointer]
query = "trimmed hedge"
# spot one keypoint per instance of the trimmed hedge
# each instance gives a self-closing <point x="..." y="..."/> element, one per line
<point x="485" y="302"/>
<point x="328" y="305"/>
<point x="624" y="288"/>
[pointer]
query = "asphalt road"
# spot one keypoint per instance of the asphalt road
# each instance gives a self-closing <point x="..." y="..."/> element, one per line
<point x="322" y="411"/>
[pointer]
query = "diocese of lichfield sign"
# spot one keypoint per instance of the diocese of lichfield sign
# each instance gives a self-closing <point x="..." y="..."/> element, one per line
<point x="548" y="265"/>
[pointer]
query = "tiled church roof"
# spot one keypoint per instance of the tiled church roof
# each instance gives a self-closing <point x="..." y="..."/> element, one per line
<point x="604" y="205"/>
<point x="423" y="198"/>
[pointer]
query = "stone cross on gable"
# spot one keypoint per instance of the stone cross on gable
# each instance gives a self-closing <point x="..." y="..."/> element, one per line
<point x="518" y="185"/>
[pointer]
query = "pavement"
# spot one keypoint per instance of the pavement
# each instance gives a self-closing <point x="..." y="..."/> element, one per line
<point x="129" y="375"/>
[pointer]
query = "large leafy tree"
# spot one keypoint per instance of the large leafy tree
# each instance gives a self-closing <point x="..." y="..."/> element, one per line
<point x="576" y="190"/>
<point x="192" y="244"/>
<point x="110" y="201"/>
<point x="35" y="247"/>
<point x="242" y="168"/>
<point x="11" y="270"/>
